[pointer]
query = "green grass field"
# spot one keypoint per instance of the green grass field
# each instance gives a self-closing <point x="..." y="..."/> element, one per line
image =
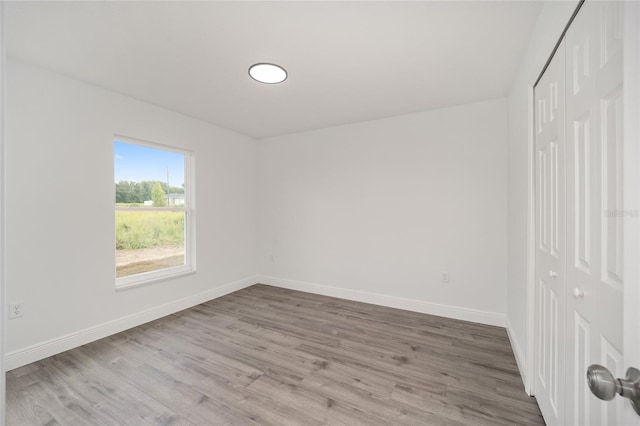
<point x="138" y="230"/>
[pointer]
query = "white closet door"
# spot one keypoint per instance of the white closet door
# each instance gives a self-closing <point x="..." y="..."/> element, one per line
<point x="550" y="239"/>
<point x="594" y="208"/>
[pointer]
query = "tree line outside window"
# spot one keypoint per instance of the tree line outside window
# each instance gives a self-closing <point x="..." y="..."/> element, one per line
<point x="128" y="192"/>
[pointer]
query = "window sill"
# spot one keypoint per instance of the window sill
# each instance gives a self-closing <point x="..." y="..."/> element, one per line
<point x="146" y="278"/>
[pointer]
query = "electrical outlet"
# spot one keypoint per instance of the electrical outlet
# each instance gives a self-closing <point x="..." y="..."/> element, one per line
<point x="15" y="310"/>
<point x="444" y="277"/>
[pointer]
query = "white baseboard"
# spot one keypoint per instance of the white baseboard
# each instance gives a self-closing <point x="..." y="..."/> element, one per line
<point x="54" y="346"/>
<point x="466" y="314"/>
<point x="51" y="347"/>
<point x="517" y="352"/>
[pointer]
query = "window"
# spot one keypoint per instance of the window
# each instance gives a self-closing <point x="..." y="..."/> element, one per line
<point x="153" y="212"/>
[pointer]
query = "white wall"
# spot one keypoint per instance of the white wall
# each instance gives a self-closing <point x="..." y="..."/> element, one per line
<point x="376" y="210"/>
<point x="550" y="24"/>
<point x="59" y="211"/>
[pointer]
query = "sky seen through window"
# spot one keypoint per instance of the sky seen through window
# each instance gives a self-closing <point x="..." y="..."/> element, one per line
<point x="139" y="163"/>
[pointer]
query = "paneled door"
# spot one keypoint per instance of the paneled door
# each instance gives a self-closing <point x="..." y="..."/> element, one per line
<point x="550" y="243"/>
<point x="594" y="208"/>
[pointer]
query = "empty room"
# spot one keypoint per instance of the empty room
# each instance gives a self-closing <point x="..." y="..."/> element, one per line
<point x="320" y="213"/>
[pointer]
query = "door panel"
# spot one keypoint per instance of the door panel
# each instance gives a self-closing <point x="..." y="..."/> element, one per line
<point x="613" y="360"/>
<point x="550" y="239"/>
<point x="612" y="189"/>
<point x="594" y="203"/>
<point x="578" y="387"/>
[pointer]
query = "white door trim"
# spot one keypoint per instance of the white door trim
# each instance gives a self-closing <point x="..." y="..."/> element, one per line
<point x="631" y="209"/>
<point x="3" y="68"/>
<point x="531" y="257"/>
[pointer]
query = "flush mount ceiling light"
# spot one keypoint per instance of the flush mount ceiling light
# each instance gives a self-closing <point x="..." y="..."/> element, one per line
<point x="267" y="73"/>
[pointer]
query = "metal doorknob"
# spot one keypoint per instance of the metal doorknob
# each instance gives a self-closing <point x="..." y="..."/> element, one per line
<point x="552" y="274"/>
<point x="578" y="293"/>
<point x="605" y="386"/>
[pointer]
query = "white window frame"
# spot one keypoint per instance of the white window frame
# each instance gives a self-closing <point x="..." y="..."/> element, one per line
<point x="189" y="267"/>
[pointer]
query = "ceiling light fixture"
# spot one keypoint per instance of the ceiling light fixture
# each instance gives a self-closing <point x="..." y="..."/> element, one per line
<point x="267" y="73"/>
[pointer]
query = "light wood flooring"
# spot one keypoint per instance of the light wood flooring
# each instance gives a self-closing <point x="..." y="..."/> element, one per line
<point x="270" y="356"/>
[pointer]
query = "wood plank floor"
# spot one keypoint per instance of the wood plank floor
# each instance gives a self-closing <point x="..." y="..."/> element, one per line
<point x="270" y="356"/>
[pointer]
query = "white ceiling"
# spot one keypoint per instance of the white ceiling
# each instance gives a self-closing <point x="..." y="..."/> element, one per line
<point x="347" y="61"/>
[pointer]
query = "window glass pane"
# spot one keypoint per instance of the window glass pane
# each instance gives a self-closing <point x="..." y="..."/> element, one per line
<point x="148" y="241"/>
<point x="146" y="179"/>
